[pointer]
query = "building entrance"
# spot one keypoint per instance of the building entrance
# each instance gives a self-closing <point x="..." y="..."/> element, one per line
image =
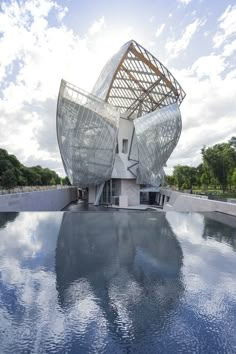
<point x="111" y="192"/>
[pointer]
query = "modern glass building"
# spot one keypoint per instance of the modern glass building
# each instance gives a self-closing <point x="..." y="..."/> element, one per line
<point x="116" y="140"/>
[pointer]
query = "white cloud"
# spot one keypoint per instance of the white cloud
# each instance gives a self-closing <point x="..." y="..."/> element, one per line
<point x="34" y="237"/>
<point x="185" y="2"/>
<point x="159" y="30"/>
<point x="229" y="49"/>
<point x="37" y="56"/>
<point x="227" y="26"/>
<point x="62" y="13"/>
<point x="205" y="256"/>
<point x="208" y="111"/>
<point x="97" y="26"/>
<point x="210" y="66"/>
<point x="151" y="19"/>
<point x="174" y="47"/>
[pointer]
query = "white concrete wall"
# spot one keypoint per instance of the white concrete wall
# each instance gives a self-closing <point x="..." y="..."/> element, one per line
<point x="91" y="195"/>
<point x="130" y="189"/>
<point x="123" y="201"/>
<point x="190" y="203"/>
<point x="50" y="200"/>
<point x="121" y="160"/>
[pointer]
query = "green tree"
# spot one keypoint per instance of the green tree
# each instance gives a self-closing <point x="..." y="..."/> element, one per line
<point x="65" y="181"/>
<point x="221" y="160"/>
<point x="9" y="180"/>
<point x="199" y="172"/>
<point x="170" y="180"/>
<point x="22" y="181"/>
<point x="3" y="154"/>
<point x="232" y="141"/>
<point x="33" y="178"/>
<point x="178" y="176"/>
<point x="204" y="176"/>
<point x="52" y="182"/>
<point x="185" y="186"/>
<point x="5" y="165"/>
<point x="185" y="176"/>
<point x="205" y="180"/>
<point x="191" y="175"/>
<point x="233" y="178"/>
<point x="14" y="161"/>
<point x="48" y="176"/>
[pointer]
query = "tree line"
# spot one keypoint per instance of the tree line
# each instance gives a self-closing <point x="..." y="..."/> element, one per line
<point x="217" y="170"/>
<point x="13" y="173"/>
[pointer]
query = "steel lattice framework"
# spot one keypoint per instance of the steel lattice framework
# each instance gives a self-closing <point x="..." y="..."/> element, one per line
<point x="133" y="85"/>
<point x="134" y="77"/>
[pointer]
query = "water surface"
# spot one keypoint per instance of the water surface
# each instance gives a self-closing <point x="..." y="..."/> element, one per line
<point x="135" y="282"/>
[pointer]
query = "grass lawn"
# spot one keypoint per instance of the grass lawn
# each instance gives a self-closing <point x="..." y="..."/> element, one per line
<point x="218" y="192"/>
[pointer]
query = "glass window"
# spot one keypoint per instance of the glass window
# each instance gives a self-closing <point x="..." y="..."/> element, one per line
<point x="116" y="187"/>
<point x="125" y="146"/>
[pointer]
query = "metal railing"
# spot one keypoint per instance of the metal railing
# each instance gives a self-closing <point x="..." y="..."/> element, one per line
<point x="25" y="189"/>
<point x="184" y="191"/>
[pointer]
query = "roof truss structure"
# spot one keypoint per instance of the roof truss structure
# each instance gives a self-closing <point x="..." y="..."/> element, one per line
<point x="142" y="84"/>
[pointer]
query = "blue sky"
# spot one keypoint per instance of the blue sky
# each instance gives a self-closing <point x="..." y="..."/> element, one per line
<point x="42" y="41"/>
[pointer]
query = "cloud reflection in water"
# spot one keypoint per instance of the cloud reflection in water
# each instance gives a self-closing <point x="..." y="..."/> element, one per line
<point x="117" y="282"/>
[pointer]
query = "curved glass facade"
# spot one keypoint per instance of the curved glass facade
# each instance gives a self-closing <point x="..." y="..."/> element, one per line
<point x="95" y="142"/>
<point x="157" y="135"/>
<point x="87" y="129"/>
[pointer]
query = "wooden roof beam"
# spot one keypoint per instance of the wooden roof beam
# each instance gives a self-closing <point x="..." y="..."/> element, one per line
<point x="142" y="97"/>
<point x="153" y="68"/>
<point x="141" y="81"/>
<point x="136" y="71"/>
<point x="138" y="84"/>
<point x="163" y="98"/>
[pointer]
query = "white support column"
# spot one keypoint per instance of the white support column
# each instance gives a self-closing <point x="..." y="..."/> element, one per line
<point x="99" y="193"/>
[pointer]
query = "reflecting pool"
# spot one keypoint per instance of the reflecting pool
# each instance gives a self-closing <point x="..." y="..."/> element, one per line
<point x="130" y="282"/>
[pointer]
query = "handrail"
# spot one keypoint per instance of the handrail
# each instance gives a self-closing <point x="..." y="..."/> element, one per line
<point x="25" y="189"/>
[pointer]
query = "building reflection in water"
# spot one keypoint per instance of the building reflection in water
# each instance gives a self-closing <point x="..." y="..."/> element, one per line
<point x="130" y="263"/>
<point x="123" y="282"/>
<point x="220" y="227"/>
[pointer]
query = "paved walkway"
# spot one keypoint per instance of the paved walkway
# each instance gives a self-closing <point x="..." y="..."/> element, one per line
<point x="140" y="207"/>
<point x="80" y="205"/>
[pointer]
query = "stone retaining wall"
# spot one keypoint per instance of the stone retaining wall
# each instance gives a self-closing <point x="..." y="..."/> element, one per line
<point x="191" y="203"/>
<point x="49" y="200"/>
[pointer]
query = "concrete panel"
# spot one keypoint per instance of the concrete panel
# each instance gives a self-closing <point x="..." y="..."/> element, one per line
<point x="91" y="194"/>
<point x="190" y="203"/>
<point x="130" y="189"/>
<point x="120" y="169"/>
<point x="49" y="200"/>
<point x="123" y="201"/>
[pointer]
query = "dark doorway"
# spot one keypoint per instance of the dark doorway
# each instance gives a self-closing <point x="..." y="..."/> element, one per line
<point x="152" y="198"/>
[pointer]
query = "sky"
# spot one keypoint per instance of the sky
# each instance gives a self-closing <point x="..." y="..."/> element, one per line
<point x="43" y="41"/>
